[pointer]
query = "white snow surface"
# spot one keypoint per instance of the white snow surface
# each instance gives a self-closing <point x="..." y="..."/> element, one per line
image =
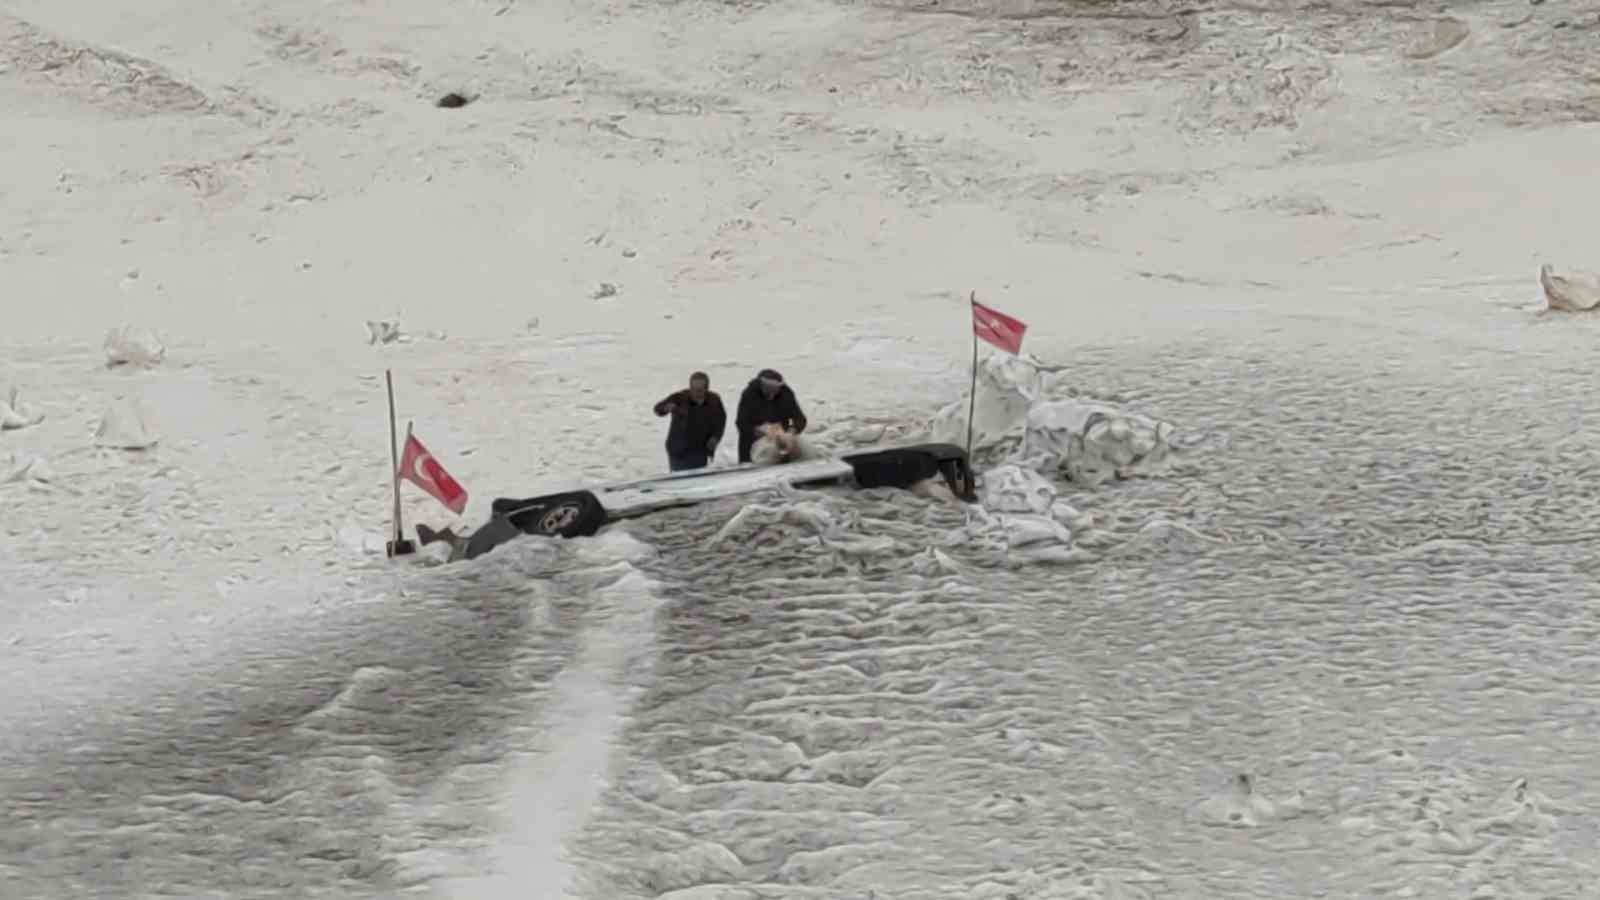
<point x="1280" y="584"/>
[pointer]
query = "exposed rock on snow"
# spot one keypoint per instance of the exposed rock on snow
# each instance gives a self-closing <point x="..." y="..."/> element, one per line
<point x="383" y="331"/>
<point x="1438" y="37"/>
<point x="1575" y="292"/>
<point x="16" y="413"/>
<point x="126" y="426"/>
<point x="133" y="346"/>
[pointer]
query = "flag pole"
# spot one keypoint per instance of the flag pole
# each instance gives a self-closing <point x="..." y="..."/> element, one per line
<point x="399" y="546"/>
<point x="972" y="403"/>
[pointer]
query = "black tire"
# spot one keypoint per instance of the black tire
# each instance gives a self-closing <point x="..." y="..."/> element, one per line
<point x="902" y="467"/>
<point x="575" y="514"/>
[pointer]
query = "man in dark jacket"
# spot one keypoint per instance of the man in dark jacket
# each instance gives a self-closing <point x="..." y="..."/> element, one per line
<point x="698" y="421"/>
<point x="766" y="400"/>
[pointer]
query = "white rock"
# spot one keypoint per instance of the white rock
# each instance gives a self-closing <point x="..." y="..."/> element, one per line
<point x="132" y="346"/>
<point x="1574" y="292"/>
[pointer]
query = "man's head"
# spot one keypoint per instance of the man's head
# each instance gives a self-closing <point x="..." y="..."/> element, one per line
<point x="699" y="383"/>
<point x="771" y="382"/>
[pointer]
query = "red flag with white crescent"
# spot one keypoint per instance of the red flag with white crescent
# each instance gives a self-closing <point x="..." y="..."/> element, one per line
<point x="997" y="328"/>
<point x="418" y="466"/>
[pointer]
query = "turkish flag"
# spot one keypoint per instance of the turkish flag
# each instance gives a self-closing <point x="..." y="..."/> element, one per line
<point x="419" y="467"/>
<point x="997" y="328"/>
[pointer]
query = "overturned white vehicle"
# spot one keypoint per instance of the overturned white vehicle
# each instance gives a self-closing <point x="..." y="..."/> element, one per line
<point x="581" y="513"/>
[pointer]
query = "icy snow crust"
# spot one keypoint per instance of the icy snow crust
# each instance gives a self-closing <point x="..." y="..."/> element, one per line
<point x="1169" y="691"/>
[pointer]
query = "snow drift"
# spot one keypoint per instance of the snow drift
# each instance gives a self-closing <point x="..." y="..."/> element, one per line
<point x="1026" y="418"/>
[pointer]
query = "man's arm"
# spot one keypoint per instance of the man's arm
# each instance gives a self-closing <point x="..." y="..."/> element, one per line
<point x="797" y="418"/>
<point x="667" y="406"/>
<point x="747" y="415"/>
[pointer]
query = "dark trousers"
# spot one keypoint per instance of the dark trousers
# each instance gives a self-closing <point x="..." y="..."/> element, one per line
<point x="688" y="459"/>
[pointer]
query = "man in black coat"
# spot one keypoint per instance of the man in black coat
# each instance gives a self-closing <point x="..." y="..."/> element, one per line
<point x="698" y="421"/>
<point x="766" y="400"/>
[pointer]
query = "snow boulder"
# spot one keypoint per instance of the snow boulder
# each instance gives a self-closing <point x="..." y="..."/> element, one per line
<point x="1007" y="387"/>
<point x="1014" y="489"/>
<point x="126" y="426"/>
<point x="1573" y="292"/>
<point x="17" y="413"/>
<point x="1091" y="443"/>
<point x="131" y="346"/>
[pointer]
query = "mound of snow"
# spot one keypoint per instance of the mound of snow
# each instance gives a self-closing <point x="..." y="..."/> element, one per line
<point x="126" y="426"/>
<point x="1014" y="489"/>
<point x="131" y="346"/>
<point x="17" y="413"/>
<point x="1091" y="443"/>
<point x="1573" y="292"/>
<point x="1018" y="423"/>
<point x="1008" y="386"/>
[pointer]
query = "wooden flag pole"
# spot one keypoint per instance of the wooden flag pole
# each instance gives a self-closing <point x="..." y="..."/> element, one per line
<point x="399" y="546"/>
<point x="972" y="403"/>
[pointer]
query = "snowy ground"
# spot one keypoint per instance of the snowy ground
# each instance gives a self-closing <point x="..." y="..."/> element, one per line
<point x="1307" y="236"/>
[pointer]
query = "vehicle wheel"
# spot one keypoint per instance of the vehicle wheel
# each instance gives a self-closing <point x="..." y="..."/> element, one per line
<point x="577" y="514"/>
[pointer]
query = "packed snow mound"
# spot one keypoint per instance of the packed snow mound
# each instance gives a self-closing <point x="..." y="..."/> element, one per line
<point x="131" y="346"/>
<point x="1012" y="488"/>
<point x="1008" y="386"/>
<point x="1016" y="489"/>
<point x="1021" y="419"/>
<point x="1091" y="443"/>
<point x="1020" y="539"/>
<point x="126" y="426"/>
<point x="16" y="412"/>
<point x="1573" y="292"/>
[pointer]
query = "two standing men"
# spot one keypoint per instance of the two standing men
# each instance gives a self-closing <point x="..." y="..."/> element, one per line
<point x="699" y="419"/>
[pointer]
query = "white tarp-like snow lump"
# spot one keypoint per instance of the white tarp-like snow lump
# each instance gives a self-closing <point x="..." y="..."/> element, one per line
<point x="1091" y="443"/>
<point x="1016" y="421"/>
